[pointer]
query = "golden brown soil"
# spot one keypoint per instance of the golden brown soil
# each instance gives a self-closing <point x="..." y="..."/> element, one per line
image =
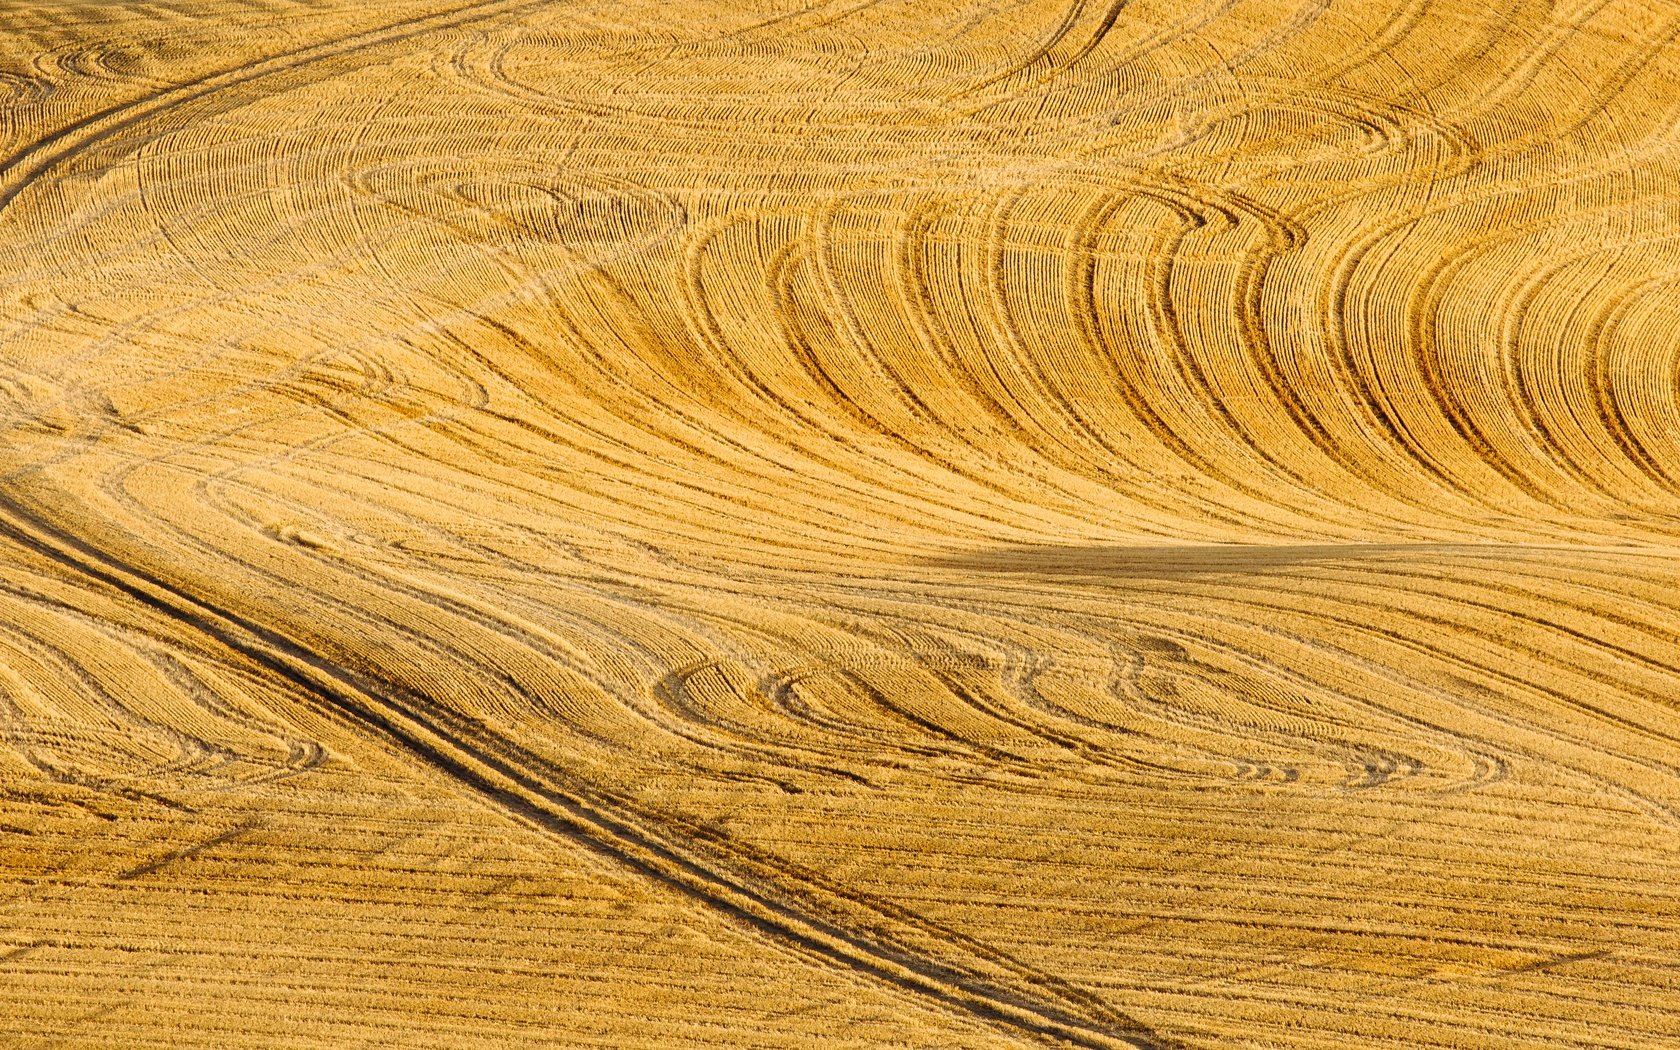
<point x="1106" y="523"/>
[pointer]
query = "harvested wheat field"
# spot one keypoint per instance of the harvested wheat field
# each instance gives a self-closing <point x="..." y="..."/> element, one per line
<point x="858" y="523"/>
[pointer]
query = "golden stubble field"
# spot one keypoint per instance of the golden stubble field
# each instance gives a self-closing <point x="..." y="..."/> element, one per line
<point x="1110" y="523"/>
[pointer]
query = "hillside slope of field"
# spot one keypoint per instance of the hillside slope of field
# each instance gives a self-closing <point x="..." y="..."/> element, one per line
<point x="859" y="523"/>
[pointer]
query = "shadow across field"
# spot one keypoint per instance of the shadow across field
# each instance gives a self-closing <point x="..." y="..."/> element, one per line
<point x="1192" y="561"/>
